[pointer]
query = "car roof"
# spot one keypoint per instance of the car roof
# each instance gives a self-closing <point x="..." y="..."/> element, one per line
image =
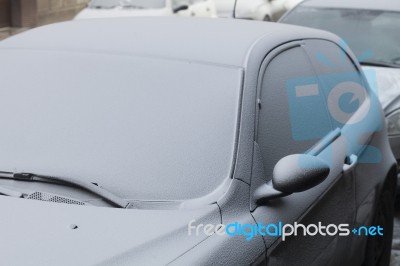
<point x="215" y="41"/>
<point x="386" y="5"/>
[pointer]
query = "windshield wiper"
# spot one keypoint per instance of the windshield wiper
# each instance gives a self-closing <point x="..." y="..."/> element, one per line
<point x="91" y="187"/>
<point x="10" y="193"/>
<point x="379" y="64"/>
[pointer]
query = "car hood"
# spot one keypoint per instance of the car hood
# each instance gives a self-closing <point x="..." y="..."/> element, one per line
<point x="88" y="13"/>
<point x="388" y="82"/>
<point x="43" y="233"/>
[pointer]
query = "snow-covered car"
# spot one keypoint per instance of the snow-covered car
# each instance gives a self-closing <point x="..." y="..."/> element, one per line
<point x="372" y="30"/>
<point x="136" y="143"/>
<point x="289" y="4"/>
<point x="266" y="10"/>
<point x="130" y="8"/>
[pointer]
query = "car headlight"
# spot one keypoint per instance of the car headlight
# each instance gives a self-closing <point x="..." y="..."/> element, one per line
<point x="393" y="123"/>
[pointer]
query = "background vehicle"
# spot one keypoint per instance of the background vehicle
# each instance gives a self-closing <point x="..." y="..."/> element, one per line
<point x="289" y="4"/>
<point x="266" y="10"/>
<point x="129" y="8"/>
<point x="148" y="124"/>
<point x="364" y="25"/>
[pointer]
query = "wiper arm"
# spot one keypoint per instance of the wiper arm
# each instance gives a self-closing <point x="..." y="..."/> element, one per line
<point x="95" y="189"/>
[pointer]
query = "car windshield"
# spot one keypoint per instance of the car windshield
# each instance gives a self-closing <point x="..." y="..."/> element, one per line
<point x="141" y="4"/>
<point x="142" y="128"/>
<point x="373" y="35"/>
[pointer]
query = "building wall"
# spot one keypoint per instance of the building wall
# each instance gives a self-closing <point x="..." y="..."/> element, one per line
<point x="31" y="13"/>
<point x="20" y="15"/>
<point x="23" y="13"/>
<point x="50" y="11"/>
<point x="5" y="13"/>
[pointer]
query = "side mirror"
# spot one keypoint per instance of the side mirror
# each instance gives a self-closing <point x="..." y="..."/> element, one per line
<point x="180" y="8"/>
<point x="299" y="172"/>
<point x="293" y="173"/>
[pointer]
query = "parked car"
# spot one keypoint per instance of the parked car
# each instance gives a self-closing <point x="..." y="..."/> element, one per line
<point x="117" y="142"/>
<point x="266" y="10"/>
<point x="130" y="8"/>
<point x="364" y="25"/>
<point x="290" y="4"/>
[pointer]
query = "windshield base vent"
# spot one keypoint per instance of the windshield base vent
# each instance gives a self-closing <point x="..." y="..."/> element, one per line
<point x="53" y="198"/>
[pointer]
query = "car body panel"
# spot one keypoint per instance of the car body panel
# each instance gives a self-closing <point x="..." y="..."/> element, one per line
<point x="388" y="82"/>
<point x="176" y="35"/>
<point x="42" y="232"/>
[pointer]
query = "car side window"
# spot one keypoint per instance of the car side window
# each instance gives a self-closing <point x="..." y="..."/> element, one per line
<point x="338" y="78"/>
<point x="292" y="115"/>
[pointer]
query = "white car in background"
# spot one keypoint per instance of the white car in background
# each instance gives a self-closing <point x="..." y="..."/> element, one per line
<point x="131" y="8"/>
<point x="289" y="4"/>
<point x="267" y="10"/>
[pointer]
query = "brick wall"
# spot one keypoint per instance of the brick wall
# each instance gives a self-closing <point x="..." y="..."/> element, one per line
<point x="50" y="11"/>
<point x="23" y="13"/>
<point x="5" y="13"/>
<point x="20" y="15"/>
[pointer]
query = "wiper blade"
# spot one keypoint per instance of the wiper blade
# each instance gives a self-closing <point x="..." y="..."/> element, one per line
<point x="10" y="193"/>
<point x="91" y="187"/>
<point x="379" y="64"/>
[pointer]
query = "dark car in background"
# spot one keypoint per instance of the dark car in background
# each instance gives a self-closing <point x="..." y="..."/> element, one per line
<point x="372" y="30"/>
<point x="121" y="135"/>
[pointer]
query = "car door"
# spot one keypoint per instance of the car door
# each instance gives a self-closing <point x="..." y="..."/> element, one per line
<point x="359" y="127"/>
<point x="300" y="98"/>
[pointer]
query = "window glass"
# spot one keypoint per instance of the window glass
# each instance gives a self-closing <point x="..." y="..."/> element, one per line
<point x="338" y="78"/>
<point x="373" y="35"/>
<point x="293" y="114"/>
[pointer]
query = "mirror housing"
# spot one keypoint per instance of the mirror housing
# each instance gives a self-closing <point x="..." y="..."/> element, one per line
<point x="293" y="173"/>
<point x="299" y="172"/>
<point x="180" y="8"/>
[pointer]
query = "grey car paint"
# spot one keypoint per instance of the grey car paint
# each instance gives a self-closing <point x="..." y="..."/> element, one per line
<point x="154" y="234"/>
<point x="62" y="234"/>
<point x="389" y="94"/>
